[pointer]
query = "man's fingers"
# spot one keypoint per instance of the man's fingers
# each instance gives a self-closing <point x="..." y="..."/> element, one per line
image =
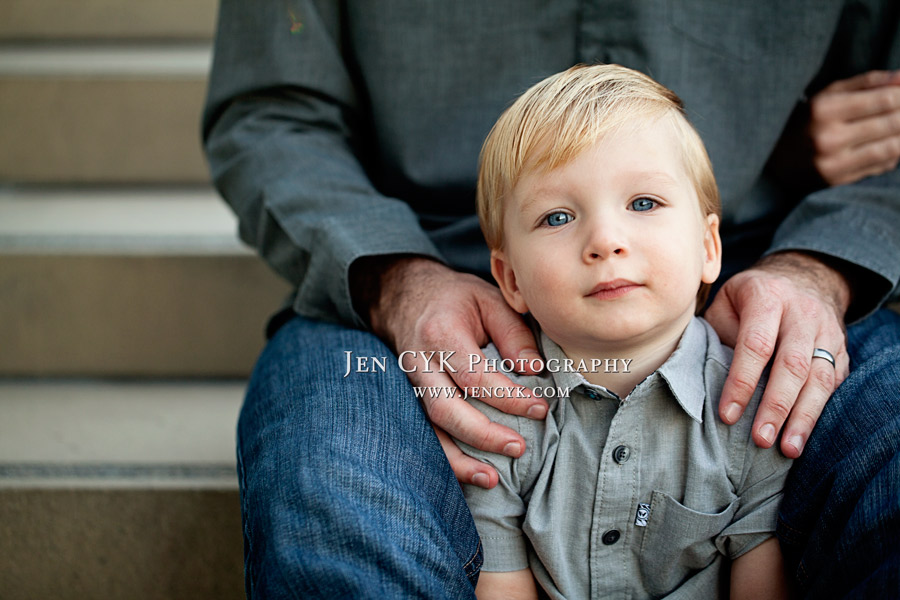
<point x="509" y="333"/>
<point x="496" y="389"/>
<point x="867" y="171"/>
<point x="466" y="468"/>
<point x="864" y="81"/>
<point x="476" y="377"/>
<point x="823" y="380"/>
<point x="787" y="378"/>
<point x="466" y="423"/>
<point x="755" y="346"/>
<point x="447" y="408"/>
<point x="871" y="158"/>
<point x="809" y="406"/>
<point x="864" y="131"/>
<point x="853" y="106"/>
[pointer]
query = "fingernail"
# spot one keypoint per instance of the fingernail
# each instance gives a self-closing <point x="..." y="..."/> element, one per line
<point x="481" y="480"/>
<point x="512" y="449"/>
<point x="767" y="432"/>
<point x="797" y="442"/>
<point x="733" y="412"/>
<point x="536" y="411"/>
<point x="527" y="357"/>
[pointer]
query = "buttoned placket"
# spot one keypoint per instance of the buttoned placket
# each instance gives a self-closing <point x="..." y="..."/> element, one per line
<point x="615" y="498"/>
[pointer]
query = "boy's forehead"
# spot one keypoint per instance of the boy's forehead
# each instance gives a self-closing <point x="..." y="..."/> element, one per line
<point x="648" y="153"/>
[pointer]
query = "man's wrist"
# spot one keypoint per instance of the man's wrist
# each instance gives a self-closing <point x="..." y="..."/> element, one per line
<point x="375" y="283"/>
<point x="814" y="271"/>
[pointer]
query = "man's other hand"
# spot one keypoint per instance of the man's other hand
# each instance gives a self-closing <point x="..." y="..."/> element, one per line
<point x="786" y="306"/>
<point x="855" y="127"/>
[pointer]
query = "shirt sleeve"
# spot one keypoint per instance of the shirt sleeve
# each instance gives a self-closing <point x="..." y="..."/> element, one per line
<point x="759" y="490"/>
<point x="857" y="224"/>
<point x="284" y="136"/>
<point x="499" y="512"/>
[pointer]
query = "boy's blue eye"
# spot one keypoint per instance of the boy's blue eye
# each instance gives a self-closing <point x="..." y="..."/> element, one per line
<point x="642" y="204"/>
<point x="558" y="218"/>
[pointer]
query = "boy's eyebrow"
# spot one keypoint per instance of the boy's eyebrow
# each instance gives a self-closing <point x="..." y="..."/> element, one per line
<point x="660" y="176"/>
<point x="531" y="198"/>
<point x="639" y="177"/>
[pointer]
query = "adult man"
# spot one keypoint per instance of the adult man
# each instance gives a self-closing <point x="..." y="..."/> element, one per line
<point x="345" y="136"/>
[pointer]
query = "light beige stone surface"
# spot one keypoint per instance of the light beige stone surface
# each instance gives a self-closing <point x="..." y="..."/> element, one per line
<point x="131" y="428"/>
<point x="153" y="315"/>
<point x="101" y="129"/>
<point x="120" y="545"/>
<point x="39" y="19"/>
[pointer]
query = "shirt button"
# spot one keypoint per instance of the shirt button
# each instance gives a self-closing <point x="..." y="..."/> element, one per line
<point x="611" y="537"/>
<point x="621" y="454"/>
<point x="592" y="394"/>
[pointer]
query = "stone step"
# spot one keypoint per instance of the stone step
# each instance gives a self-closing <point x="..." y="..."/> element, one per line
<point x="119" y="490"/>
<point x="103" y="114"/>
<point x="106" y="19"/>
<point x="128" y="283"/>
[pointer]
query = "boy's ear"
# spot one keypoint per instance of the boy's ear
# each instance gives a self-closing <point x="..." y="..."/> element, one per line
<point x="506" y="279"/>
<point x="712" y="246"/>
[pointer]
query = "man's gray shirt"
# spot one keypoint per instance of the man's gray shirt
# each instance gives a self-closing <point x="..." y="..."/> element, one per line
<point x="642" y="497"/>
<point x="338" y="130"/>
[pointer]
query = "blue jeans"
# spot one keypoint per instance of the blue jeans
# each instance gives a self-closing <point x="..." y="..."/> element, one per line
<point x="839" y="523"/>
<point x="346" y="493"/>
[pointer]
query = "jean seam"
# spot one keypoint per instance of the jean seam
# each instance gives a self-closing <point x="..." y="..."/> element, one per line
<point x="245" y="521"/>
<point x="793" y="531"/>
<point x="474" y="556"/>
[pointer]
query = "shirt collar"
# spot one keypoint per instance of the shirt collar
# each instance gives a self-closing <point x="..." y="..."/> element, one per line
<point x="683" y="372"/>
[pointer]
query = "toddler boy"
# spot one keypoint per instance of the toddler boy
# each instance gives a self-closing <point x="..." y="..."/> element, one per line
<point x="597" y="199"/>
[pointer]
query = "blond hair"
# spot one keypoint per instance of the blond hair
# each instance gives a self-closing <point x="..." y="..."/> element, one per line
<point x="567" y="113"/>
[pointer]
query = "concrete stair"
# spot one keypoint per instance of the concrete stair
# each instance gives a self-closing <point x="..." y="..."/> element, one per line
<point x="128" y="283"/>
<point x="101" y="114"/>
<point x="119" y="490"/>
<point x="130" y="314"/>
<point x="106" y="19"/>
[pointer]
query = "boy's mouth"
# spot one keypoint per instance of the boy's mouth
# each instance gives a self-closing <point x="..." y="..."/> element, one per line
<point x="608" y="290"/>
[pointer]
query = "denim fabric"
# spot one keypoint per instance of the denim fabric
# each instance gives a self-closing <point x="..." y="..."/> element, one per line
<point x="345" y="490"/>
<point x="839" y="524"/>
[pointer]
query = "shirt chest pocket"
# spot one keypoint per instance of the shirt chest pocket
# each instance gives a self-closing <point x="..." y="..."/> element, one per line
<point x="678" y="541"/>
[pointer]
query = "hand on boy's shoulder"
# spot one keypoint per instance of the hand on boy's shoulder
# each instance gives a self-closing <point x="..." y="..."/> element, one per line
<point x="419" y="305"/>
<point x="785" y="307"/>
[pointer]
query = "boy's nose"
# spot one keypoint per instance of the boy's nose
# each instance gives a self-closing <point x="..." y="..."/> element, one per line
<point x="603" y="243"/>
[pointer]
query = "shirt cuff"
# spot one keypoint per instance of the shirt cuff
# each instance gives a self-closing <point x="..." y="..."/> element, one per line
<point x="503" y="553"/>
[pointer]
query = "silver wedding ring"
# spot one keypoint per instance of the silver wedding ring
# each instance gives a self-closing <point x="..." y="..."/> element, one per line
<point x="820" y="353"/>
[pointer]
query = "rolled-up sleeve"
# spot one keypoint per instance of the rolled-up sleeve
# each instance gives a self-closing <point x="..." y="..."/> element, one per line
<point x="857" y="223"/>
<point x="285" y="145"/>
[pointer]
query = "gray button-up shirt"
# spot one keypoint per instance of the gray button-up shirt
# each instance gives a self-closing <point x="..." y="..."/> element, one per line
<point x="641" y="497"/>
<point x="345" y="129"/>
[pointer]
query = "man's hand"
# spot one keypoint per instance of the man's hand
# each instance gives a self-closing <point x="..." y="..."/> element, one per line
<point x="787" y="305"/>
<point x="855" y="127"/>
<point x="849" y="130"/>
<point x="421" y="305"/>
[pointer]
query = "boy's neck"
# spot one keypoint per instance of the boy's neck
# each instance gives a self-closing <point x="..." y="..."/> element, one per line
<point x="646" y="356"/>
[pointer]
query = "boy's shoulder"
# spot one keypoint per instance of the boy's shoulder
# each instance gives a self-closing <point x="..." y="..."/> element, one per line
<point x="747" y="463"/>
